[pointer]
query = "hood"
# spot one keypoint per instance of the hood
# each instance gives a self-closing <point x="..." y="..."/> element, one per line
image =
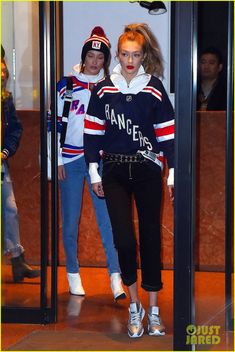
<point x="76" y="71"/>
<point x="135" y="85"/>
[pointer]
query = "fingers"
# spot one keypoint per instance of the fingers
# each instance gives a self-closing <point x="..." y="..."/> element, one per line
<point x="98" y="189"/>
<point x="61" y="173"/>
<point x="171" y="193"/>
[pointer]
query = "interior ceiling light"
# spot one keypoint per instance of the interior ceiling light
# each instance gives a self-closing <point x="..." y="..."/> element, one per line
<point x="153" y="7"/>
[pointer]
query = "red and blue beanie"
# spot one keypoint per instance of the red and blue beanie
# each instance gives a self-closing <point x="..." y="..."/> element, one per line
<point x="97" y="41"/>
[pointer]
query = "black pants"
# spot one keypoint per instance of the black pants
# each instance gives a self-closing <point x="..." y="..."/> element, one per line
<point x="143" y="180"/>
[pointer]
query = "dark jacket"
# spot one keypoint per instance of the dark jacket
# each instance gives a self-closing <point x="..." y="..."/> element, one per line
<point x="217" y="99"/>
<point x="11" y="128"/>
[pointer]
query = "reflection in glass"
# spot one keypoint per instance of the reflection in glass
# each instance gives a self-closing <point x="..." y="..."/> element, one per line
<point x="211" y="156"/>
<point x="20" y="168"/>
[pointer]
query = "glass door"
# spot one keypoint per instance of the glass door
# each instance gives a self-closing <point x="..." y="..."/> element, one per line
<point x="29" y="277"/>
<point x="213" y="246"/>
<point x="203" y="272"/>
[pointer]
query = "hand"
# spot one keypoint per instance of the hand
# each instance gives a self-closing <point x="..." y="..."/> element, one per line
<point x="171" y="193"/>
<point x="3" y="156"/>
<point x="98" y="189"/>
<point x="61" y="173"/>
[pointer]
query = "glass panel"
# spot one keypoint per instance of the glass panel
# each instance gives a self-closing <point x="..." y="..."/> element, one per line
<point x="211" y="149"/>
<point x="20" y="271"/>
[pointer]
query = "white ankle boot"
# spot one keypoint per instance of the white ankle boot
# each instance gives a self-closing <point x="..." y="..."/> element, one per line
<point x="116" y="286"/>
<point x="75" y="284"/>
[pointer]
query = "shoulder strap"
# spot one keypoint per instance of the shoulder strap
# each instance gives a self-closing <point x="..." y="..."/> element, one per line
<point x="68" y="97"/>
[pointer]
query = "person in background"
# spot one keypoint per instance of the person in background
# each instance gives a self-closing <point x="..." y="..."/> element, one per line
<point x="11" y="131"/>
<point x="212" y="91"/>
<point x="130" y="125"/>
<point x="72" y="169"/>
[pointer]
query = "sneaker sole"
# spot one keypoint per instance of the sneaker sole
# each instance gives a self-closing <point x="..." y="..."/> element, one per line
<point x="77" y="294"/>
<point x="156" y="333"/>
<point x="121" y="296"/>
<point x="136" y="335"/>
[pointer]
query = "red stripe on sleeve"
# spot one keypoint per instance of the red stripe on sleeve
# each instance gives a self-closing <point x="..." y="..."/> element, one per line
<point x="94" y="125"/>
<point x="159" y="132"/>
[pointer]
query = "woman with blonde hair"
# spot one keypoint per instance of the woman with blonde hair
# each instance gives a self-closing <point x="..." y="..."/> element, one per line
<point x="153" y="60"/>
<point x="130" y="125"/>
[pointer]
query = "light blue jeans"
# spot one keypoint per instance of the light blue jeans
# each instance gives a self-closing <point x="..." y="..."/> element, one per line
<point x="10" y="217"/>
<point x="71" y="199"/>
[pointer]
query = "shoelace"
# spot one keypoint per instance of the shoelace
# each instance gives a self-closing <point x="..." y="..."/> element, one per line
<point x="135" y="318"/>
<point x="154" y="319"/>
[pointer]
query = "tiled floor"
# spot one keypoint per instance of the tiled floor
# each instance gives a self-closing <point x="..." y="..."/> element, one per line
<point x="100" y="323"/>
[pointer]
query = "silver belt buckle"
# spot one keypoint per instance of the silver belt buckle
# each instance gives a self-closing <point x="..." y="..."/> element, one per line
<point x="151" y="156"/>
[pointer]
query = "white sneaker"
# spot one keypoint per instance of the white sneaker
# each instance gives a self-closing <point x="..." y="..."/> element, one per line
<point x="116" y="286"/>
<point x="155" y="325"/>
<point x="136" y="315"/>
<point x="75" y="284"/>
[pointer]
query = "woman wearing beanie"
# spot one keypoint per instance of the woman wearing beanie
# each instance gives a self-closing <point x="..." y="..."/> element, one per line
<point x="72" y="169"/>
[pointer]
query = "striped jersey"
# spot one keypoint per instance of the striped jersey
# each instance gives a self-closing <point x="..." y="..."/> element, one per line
<point x="82" y="84"/>
<point x="125" y="118"/>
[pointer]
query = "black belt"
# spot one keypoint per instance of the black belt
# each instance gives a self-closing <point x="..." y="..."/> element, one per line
<point x="123" y="158"/>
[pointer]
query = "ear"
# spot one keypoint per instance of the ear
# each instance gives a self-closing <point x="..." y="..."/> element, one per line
<point x="220" y="67"/>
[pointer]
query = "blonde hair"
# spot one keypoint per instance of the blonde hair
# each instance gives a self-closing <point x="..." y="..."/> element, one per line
<point x="140" y="32"/>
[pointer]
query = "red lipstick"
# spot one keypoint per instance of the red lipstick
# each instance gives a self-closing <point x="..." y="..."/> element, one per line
<point x="130" y="67"/>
